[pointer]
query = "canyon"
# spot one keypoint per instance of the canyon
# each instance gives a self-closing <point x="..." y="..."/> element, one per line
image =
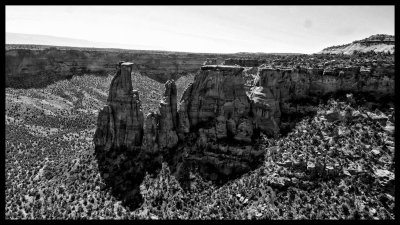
<point x="217" y="125"/>
<point x="223" y="123"/>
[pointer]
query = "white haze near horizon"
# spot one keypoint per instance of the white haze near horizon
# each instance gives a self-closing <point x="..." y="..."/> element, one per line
<point x="213" y="29"/>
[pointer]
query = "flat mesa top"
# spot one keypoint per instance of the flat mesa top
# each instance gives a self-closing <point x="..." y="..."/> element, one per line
<point x="127" y="64"/>
<point x="222" y="67"/>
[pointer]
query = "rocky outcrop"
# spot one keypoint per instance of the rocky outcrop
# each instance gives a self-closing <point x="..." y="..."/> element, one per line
<point x="375" y="43"/>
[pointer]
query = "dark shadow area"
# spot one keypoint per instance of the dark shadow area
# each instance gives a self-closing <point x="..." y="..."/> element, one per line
<point x="122" y="171"/>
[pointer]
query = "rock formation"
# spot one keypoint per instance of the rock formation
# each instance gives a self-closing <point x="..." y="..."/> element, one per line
<point x="217" y="112"/>
<point x="126" y="107"/>
<point x="118" y="137"/>
<point x="167" y="136"/>
<point x="126" y="144"/>
<point x="214" y="127"/>
<point x="217" y="125"/>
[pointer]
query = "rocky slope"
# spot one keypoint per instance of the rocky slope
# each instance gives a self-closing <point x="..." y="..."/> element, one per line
<point x="376" y="43"/>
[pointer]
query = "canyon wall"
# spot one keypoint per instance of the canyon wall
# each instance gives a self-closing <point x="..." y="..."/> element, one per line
<point x="26" y="68"/>
<point x="278" y="91"/>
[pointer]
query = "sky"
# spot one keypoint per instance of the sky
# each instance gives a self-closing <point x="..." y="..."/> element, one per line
<point x="212" y="29"/>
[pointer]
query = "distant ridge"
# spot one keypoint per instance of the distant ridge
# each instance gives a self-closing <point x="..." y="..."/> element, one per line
<point x="36" y="39"/>
<point x="376" y="43"/>
<point x="40" y="42"/>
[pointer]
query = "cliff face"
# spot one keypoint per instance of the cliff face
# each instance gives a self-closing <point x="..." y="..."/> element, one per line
<point x="275" y="90"/>
<point x="27" y="68"/>
<point x="216" y="112"/>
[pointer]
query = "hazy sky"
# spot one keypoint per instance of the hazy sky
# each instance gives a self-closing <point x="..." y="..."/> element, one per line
<point x="224" y="29"/>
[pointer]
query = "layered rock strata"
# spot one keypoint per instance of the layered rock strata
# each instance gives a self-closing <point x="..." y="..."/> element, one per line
<point x="277" y="91"/>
